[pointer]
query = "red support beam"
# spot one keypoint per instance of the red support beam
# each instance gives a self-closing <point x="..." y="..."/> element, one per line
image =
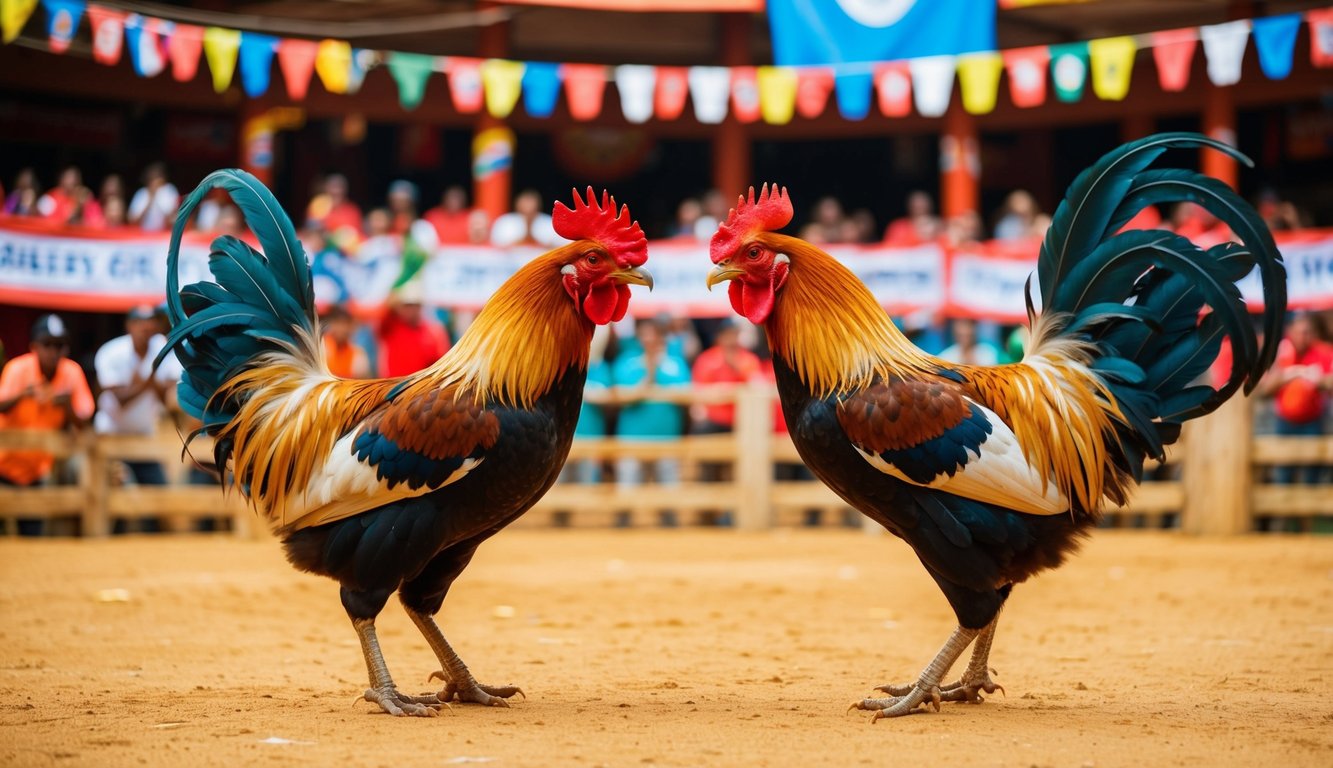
<point x="960" y="163"/>
<point x="733" y="165"/>
<point x="1219" y="122"/>
<point x="492" y="189"/>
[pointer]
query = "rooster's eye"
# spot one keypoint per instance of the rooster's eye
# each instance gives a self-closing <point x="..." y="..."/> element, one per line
<point x="754" y="251"/>
<point x="591" y="258"/>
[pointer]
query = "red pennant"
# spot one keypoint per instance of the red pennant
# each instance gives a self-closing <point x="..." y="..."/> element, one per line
<point x="673" y="88"/>
<point x="1026" y="68"/>
<point x="813" y="87"/>
<point x="745" y="94"/>
<point x="1173" y="51"/>
<point x="1321" y="37"/>
<point x="584" y="86"/>
<point x="296" y="58"/>
<point x="108" y="33"/>
<point x="893" y="81"/>
<point x="465" y="83"/>
<point x="183" y="48"/>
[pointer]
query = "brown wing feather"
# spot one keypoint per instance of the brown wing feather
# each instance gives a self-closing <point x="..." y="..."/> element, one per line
<point x="435" y="423"/>
<point x="900" y="413"/>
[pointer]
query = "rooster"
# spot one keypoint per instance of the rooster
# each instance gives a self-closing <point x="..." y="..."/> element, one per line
<point x="391" y="484"/>
<point x="993" y="474"/>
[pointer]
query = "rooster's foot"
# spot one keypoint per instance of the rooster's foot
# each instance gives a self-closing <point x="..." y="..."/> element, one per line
<point x="402" y="705"/>
<point x="969" y="689"/>
<point x="918" y="695"/>
<point x="473" y="692"/>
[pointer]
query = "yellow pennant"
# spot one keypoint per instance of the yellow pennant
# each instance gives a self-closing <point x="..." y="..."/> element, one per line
<point x="333" y="62"/>
<point x="13" y="15"/>
<point x="1112" y="63"/>
<point x="979" y="78"/>
<point x="220" y="46"/>
<point x="503" y="81"/>
<point x="777" y="94"/>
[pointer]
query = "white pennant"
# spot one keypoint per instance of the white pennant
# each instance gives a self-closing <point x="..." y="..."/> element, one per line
<point x="1224" y="48"/>
<point x="710" y="90"/>
<point x="636" y="83"/>
<point x="932" y="84"/>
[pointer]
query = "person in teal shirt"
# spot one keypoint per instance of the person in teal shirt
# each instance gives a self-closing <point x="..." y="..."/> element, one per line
<point x="642" y="419"/>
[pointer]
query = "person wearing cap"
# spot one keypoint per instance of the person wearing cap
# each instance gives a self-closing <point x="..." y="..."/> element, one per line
<point x="409" y="339"/>
<point x="41" y="390"/>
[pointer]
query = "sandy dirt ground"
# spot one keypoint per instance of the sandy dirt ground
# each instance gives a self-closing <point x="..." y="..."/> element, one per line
<point x="668" y="648"/>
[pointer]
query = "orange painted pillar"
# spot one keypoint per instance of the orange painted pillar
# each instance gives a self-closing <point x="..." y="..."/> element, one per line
<point x="733" y="165"/>
<point x="492" y="141"/>
<point x="960" y="164"/>
<point x="1219" y="122"/>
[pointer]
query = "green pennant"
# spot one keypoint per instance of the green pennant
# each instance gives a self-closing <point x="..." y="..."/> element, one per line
<point x="1069" y="70"/>
<point x="410" y="71"/>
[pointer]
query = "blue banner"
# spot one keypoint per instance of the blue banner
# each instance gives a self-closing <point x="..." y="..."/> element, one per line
<point x="256" y="62"/>
<point x="62" y="22"/>
<point x="1275" y="38"/>
<point x="809" y="32"/>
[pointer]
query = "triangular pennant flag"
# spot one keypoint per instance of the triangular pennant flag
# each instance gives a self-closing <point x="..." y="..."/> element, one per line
<point x="62" y="22"/>
<point x="465" y="89"/>
<point x="979" y="80"/>
<point x="256" y="62"/>
<point x="358" y="64"/>
<point x="333" y="59"/>
<point x="1112" y="60"/>
<point x="1321" y="37"/>
<point x="744" y="94"/>
<point x="503" y="82"/>
<point x="851" y="89"/>
<point x="777" y="94"/>
<point x="220" y="48"/>
<point x="296" y="59"/>
<point x="932" y="84"/>
<point x="541" y="87"/>
<point x="410" y="71"/>
<point x="1027" y="74"/>
<point x="710" y="90"/>
<point x="1224" y="50"/>
<point x="635" y="82"/>
<point x="13" y="15"/>
<point x="1173" y="52"/>
<point x="813" y="86"/>
<point x="183" y="48"/>
<point x="108" y="33"/>
<point x="585" y="85"/>
<point x="1069" y="70"/>
<point x="1275" y="39"/>
<point x="893" y="80"/>
<point x="671" y="92"/>
<point x="142" y="37"/>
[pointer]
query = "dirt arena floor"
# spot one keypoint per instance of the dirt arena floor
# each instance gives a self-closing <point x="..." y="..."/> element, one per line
<point x="668" y="648"/>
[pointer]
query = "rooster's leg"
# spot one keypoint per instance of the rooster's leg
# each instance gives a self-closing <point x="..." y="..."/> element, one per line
<point x="458" y="680"/>
<point x="927" y="687"/>
<point x="382" y="690"/>
<point x="976" y="678"/>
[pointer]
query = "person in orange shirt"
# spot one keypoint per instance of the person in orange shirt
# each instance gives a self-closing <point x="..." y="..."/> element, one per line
<point x="345" y="357"/>
<point x="450" y="217"/>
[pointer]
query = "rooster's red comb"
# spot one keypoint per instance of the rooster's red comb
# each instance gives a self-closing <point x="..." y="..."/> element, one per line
<point x="617" y="233"/>
<point x="771" y="212"/>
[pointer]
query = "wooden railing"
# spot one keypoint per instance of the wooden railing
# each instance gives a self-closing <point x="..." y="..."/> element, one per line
<point x="1212" y="479"/>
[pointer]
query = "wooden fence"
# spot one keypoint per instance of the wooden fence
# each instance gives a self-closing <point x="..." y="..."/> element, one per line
<point x="1214" y="479"/>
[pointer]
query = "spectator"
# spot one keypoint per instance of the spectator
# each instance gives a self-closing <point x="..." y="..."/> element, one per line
<point x="22" y="199"/>
<point x="1195" y="222"/>
<point x="527" y="224"/>
<point x="478" y="227"/>
<point x="450" y="217"/>
<point x="592" y="419"/>
<point x="920" y="225"/>
<point x="114" y="213"/>
<point x="41" y="390"/>
<point x="966" y="349"/>
<point x="1299" y="382"/>
<point x="716" y="206"/>
<point x="1020" y="218"/>
<point x="346" y="358"/>
<point x="409" y="340"/>
<point x="332" y="209"/>
<point x="859" y="227"/>
<point x="963" y="229"/>
<point x="70" y="202"/>
<point x="688" y="214"/>
<point x="402" y="204"/>
<point x="726" y="362"/>
<point x="826" y="223"/>
<point x="154" y="206"/>
<point x="645" y="419"/>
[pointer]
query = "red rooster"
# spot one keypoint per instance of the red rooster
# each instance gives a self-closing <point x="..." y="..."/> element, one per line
<point x="994" y="474"/>
<point x="391" y="484"/>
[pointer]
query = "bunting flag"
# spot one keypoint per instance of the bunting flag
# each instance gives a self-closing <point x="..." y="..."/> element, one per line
<point x="108" y="27"/>
<point x="710" y="89"/>
<point x="636" y="83"/>
<point x="183" y="49"/>
<point x="1069" y="70"/>
<point x="673" y="89"/>
<point x="256" y="62"/>
<point x="359" y="63"/>
<point x="1173" y="52"/>
<point x="1321" y="37"/>
<point x="333" y="61"/>
<point x="777" y="94"/>
<point x="541" y="87"/>
<point x="852" y="90"/>
<point x="585" y="85"/>
<point x="744" y="94"/>
<point x="220" y="48"/>
<point x="503" y="82"/>
<point x="464" y="75"/>
<point x="893" y="80"/>
<point x="13" y="15"/>
<point x="411" y="71"/>
<point x="1224" y="50"/>
<point x="296" y="59"/>
<point x="1112" y="61"/>
<point x="1275" y="39"/>
<point x="1027" y="74"/>
<point x="143" y="36"/>
<point x="979" y="79"/>
<point x="932" y="84"/>
<point x="62" y="22"/>
<point x="813" y="86"/>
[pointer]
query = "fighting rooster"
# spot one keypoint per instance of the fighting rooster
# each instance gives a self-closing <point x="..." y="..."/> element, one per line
<point x="391" y="484"/>
<point x="993" y="474"/>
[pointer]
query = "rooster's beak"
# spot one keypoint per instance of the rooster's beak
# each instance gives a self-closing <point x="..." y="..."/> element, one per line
<point x="722" y="273"/>
<point x="635" y="275"/>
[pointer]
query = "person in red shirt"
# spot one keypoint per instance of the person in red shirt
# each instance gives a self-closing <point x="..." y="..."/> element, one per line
<point x="450" y="217"/>
<point x="333" y="211"/>
<point x="408" y="340"/>
<point x="70" y="202"/>
<point x="1299" y="383"/>
<point x="919" y="226"/>
<point x="726" y="362"/>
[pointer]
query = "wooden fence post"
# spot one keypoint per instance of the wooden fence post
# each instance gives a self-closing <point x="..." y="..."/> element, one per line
<point x="1217" y="471"/>
<point x="754" y="458"/>
<point x="94" y="522"/>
